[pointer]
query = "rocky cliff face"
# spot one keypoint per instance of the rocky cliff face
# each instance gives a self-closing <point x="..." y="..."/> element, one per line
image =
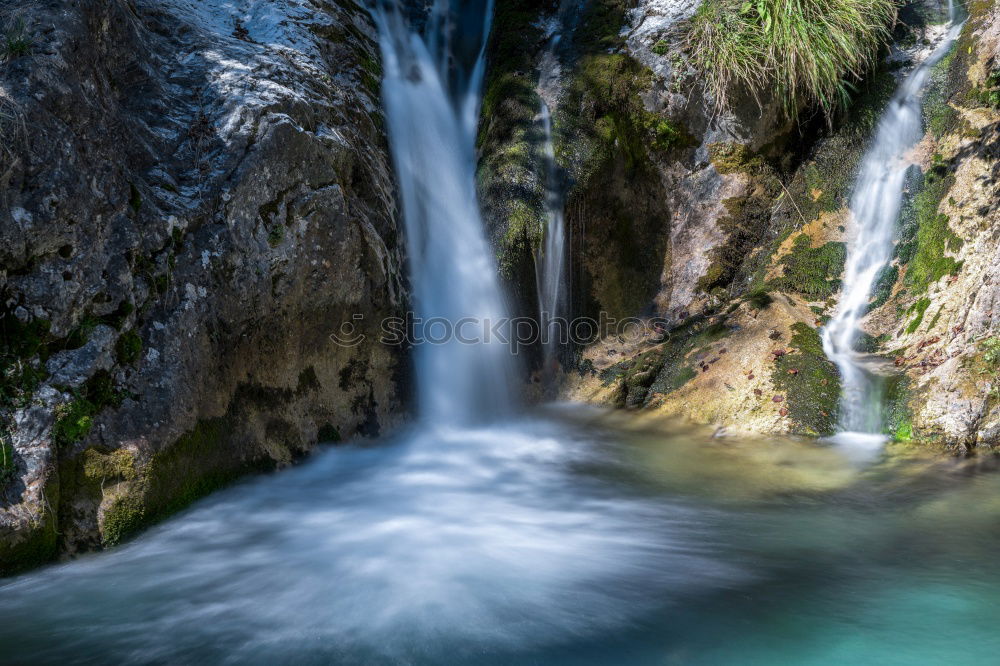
<point x="733" y="226"/>
<point x="196" y="195"/>
<point x="939" y="314"/>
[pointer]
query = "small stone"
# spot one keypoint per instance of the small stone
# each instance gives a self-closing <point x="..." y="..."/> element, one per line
<point x="793" y="371"/>
<point x="750" y="376"/>
<point x="783" y="411"/>
<point x="778" y="398"/>
<point x="758" y="392"/>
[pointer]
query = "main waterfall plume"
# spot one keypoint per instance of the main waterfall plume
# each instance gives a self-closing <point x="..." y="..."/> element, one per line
<point x="431" y="88"/>
<point x="875" y="205"/>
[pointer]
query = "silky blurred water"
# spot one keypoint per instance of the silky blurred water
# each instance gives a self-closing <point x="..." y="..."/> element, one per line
<point x="875" y="206"/>
<point x="568" y="537"/>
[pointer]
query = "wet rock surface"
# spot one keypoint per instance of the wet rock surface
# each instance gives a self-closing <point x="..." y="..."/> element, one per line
<point x="196" y="195"/>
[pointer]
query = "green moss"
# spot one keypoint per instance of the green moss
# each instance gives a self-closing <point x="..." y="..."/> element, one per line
<point x="73" y="421"/>
<point x="20" y="345"/>
<point x="671" y="364"/>
<point x="920" y="307"/>
<point x="882" y="290"/>
<point x="198" y="463"/>
<point x="276" y="235"/>
<point x="122" y="518"/>
<point x="40" y="545"/>
<point x="745" y="225"/>
<point x="75" y="418"/>
<point x="620" y="121"/>
<point x="896" y="411"/>
<point x="926" y="234"/>
<point x="661" y="48"/>
<point x="814" y="272"/>
<point x="938" y="114"/>
<point x="524" y="232"/>
<point x="812" y="393"/>
<point x="937" y="317"/>
<point x="128" y="348"/>
<point x="988" y="93"/>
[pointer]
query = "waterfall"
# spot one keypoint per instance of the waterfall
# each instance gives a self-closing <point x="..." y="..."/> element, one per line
<point x="875" y="206"/>
<point x="433" y="72"/>
<point x="551" y="265"/>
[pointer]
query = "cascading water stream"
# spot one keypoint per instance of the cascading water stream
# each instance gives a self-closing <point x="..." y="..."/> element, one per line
<point x="431" y="90"/>
<point x="551" y="265"/>
<point x="875" y="205"/>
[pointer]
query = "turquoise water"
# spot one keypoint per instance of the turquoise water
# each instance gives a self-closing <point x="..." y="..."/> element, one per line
<point x="569" y="537"/>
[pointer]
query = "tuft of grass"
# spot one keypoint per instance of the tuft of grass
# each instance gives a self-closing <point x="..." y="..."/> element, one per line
<point x="807" y="51"/>
<point x="16" y="41"/>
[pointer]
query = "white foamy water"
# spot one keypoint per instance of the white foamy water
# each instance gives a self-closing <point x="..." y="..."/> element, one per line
<point x="436" y="544"/>
<point x="431" y="89"/>
<point x="875" y="206"/>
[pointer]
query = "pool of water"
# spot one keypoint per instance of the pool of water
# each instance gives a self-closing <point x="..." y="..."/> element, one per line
<point x="569" y="537"/>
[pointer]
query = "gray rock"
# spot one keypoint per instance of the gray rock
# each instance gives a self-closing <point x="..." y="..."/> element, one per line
<point x="211" y="177"/>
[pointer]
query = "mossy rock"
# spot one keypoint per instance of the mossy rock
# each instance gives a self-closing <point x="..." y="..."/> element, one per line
<point x="812" y="272"/>
<point x="926" y="234"/>
<point x="809" y="383"/>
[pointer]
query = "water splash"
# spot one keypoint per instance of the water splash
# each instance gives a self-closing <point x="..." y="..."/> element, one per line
<point x="551" y="262"/>
<point x="433" y="74"/>
<point x="875" y="205"/>
<point x="438" y="546"/>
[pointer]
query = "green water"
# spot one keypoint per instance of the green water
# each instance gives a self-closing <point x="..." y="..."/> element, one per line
<point x="571" y="537"/>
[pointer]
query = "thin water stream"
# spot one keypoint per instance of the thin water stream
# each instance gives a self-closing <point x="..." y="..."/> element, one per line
<point x="875" y="207"/>
<point x="552" y="262"/>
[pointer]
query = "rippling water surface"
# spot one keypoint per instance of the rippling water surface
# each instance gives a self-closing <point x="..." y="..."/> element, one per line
<point x="568" y="537"/>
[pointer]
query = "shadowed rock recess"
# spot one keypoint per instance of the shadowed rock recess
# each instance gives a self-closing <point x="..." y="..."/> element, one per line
<point x="195" y="196"/>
